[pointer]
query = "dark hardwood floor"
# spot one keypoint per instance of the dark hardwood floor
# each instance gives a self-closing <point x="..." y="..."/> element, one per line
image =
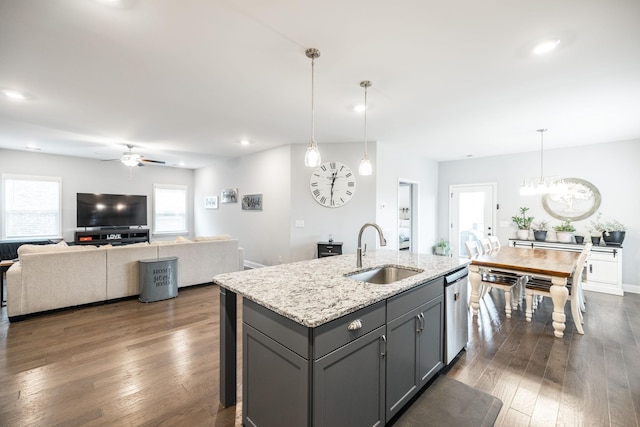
<point x="129" y="363"/>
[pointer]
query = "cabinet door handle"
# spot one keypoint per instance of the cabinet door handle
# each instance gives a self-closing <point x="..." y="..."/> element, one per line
<point x="418" y="329"/>
<point x="421" y="322"/>
<point x="355" y="325"/>
<point x="383" y="344"/>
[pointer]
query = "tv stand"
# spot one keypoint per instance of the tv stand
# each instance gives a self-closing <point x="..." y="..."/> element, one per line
<point x="115" y="236"/>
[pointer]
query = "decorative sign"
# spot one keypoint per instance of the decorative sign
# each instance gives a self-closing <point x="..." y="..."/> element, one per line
<point x="230" y="195"/>
<point x="211" y="202"/>
<point x="162" y="276"/>
<point x="580" y="201"/>
<point x="252" y="202"/>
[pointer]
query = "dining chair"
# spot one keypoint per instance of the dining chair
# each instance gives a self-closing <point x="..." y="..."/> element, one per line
<point x="485" y="245"/>
<point x="495" y="243"/>
<point x="541" y="287"/>
<point x="490" y="280"/>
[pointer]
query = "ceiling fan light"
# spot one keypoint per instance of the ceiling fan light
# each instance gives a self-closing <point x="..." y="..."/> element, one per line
<point x="130" y="160"/>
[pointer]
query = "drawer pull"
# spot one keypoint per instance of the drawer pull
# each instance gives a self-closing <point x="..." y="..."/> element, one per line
<point x="355" y="325"/>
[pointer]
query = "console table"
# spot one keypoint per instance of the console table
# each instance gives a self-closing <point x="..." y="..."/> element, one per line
<point x="603" y="266"/>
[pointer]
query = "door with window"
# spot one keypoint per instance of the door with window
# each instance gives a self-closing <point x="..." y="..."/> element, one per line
<point x="472" y="214"/>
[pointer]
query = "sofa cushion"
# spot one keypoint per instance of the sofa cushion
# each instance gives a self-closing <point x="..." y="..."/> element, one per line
<point x="58" y="247"/>
<point x="210" y="238"/>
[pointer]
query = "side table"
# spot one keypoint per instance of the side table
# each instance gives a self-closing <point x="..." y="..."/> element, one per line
<point x="5" y="264"/>
<point x="326" y="249"/>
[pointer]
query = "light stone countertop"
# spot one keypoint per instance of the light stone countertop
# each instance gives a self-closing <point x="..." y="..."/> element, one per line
<point x="315" y="292"/>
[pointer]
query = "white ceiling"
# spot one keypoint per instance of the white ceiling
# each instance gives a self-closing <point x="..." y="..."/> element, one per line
<point x="186" y="80"/>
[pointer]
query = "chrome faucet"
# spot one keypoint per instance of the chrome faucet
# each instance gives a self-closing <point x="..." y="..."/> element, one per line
<point x="383" y="242"/>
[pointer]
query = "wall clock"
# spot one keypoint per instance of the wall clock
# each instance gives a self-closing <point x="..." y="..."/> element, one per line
<point x="332" y="184"/>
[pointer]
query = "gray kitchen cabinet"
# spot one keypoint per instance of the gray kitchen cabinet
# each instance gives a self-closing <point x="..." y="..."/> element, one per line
<point x="414" y="343"/>
<point x="349" y="384"/>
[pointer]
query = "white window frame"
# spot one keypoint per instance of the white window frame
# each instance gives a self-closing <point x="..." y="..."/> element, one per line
<point x="185" y="229"/>
<point x="15" y="177"/>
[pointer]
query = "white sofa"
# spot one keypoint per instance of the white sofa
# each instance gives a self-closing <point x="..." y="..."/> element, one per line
<point x="48" y="277"/>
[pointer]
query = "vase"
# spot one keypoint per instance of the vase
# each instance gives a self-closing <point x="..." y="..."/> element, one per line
<point x="540" y="235"/>
<point x="613" y="238"/>
<point x="523" y="234"/>
<point x="595" y="240"/>
<point x="564" y="236"/>
<point x="579" y="239"/>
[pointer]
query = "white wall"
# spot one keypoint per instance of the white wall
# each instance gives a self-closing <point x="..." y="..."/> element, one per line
<point x="395" y="165"/>
<point x="611" y="167"/>
<point x="343" y="222"/>
<point x="81" y="175"/>
<point x="264" y="235"/>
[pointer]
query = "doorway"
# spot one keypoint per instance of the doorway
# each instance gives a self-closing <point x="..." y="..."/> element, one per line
<point x="407" y="215"/>
<point x="472" y="214"/>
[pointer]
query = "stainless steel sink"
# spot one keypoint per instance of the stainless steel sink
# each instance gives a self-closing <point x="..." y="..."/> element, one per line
<point x="384" y="275"/>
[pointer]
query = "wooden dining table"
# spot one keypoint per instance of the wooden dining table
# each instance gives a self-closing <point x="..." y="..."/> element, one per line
<point x="557" y="266"/>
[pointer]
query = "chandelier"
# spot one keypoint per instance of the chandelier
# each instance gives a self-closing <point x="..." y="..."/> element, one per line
<point x="542" y="185"/>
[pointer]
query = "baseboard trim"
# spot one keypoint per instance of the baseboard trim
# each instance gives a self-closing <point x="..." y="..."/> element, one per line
<point x="250" y="265"/>
<point x="632" y="289"/>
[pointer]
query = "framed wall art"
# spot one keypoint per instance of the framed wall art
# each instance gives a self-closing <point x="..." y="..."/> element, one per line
<point x="211" y="202"/>
<point x="252" y="202"/>
<point x="230" y="195"/>
<point x="580" y="201"/>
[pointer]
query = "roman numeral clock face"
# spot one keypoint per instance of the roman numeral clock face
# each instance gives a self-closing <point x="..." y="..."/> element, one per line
<point x="332" y="184"/>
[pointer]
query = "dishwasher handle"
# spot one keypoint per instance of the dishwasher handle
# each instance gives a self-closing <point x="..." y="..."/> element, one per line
<point x="457" y="276"/>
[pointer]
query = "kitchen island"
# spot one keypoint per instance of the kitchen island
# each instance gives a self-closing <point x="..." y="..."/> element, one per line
<point x="320" y="348"/>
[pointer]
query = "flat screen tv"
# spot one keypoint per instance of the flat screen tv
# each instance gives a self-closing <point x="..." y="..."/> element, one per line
<point x="111" y="210"/>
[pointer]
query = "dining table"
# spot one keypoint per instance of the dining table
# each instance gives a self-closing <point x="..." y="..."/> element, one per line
<point x="556" y="266"/>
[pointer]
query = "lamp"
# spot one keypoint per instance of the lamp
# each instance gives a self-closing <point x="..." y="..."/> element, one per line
<point x="365" y="167"/>
<point x="312" y="157"/>
<point x="542" y="185"/>
<point x="130" y="158"/>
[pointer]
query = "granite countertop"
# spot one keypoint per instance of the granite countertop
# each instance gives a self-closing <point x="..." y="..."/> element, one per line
<point x="315" y="292"/>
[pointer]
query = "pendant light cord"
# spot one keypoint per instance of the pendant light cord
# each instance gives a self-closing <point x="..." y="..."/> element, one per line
<point x="312" y="108"/>
<point x="365" y="121"/>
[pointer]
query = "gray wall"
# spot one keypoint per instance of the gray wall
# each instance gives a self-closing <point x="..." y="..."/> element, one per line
<point x="611" y="167"/>
<point x="81" y="175"/>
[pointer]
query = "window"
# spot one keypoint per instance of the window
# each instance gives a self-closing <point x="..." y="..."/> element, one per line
<point x="32" y="207"/>
<point x="169" y="209"/>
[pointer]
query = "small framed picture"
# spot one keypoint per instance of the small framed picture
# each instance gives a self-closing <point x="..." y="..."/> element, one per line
<point x="252" y="202"/>
<point x="211" y="202"/>
<point x="230" y="195"/>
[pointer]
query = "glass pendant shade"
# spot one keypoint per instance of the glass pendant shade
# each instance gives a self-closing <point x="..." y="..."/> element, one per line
<point x="312" y="157"/>
<point x="365" y="167"/>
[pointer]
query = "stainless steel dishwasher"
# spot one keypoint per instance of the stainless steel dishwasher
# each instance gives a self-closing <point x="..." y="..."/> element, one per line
<point x="456" y="326"/>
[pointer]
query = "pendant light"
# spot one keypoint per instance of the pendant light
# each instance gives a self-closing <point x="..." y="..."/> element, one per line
<point x="542" y="185"/>
<point x="365" y="167"/>
<point x="312" y="157"/>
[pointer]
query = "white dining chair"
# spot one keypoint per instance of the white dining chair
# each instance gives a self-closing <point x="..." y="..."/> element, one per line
<point x="495" y="243"/>
<point x="485" y="245"/>
<point x="535" y="287"/>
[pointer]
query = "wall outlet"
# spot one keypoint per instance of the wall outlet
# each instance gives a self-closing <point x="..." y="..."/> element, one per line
<point x="299" y="223"/>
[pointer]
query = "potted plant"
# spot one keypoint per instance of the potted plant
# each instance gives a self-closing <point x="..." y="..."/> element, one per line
<point x="564" y="232"/>
<point x="540" y="230"/>
<point x="614" y="232"/>
<point x="523" y="222"/>
<point x="596" y="229"/>
<point x="442" y="247"/>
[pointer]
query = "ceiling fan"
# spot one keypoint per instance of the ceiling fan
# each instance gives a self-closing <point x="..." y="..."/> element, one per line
<point x="129" y="158"/>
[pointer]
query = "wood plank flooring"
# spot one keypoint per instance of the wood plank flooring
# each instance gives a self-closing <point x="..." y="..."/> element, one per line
<point x="129" y="363"/>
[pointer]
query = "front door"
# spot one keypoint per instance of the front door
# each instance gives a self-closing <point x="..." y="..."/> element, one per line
<point x="471" y="214"/>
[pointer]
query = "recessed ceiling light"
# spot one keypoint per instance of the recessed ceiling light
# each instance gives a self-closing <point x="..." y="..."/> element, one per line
<point x="14" y="94"/>
<point x="545" y="46"/>
<point x="33" y="147"/>
<point x="245" y="142"/>
<point x="359" y="108"/>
